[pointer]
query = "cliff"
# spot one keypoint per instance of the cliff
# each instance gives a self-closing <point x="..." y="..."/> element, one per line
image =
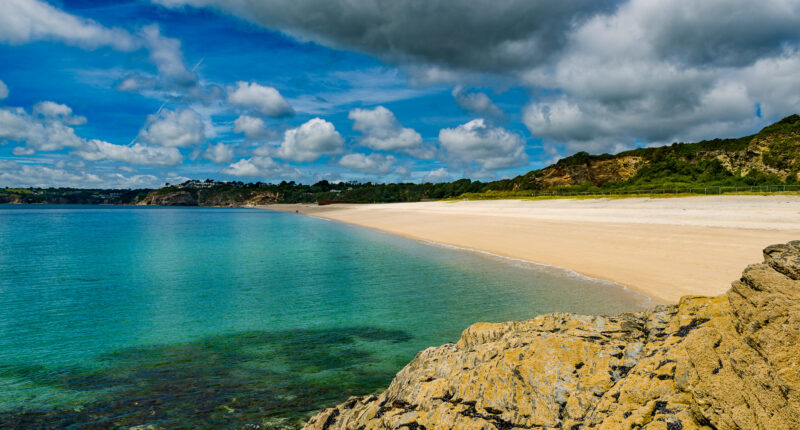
<point x="724" y="362"/>
<point x="229" y="196"/>
<point x="169" y="198"/>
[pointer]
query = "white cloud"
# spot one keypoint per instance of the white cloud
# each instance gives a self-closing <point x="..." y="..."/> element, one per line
<point x="657" y="72"/>
<point x="488" y="146"/>
<point x="182" y="129"/>
<point x="773" y="82"/>
<point x="435" y="176"/>
<point x="252" y="127"/>
<point x="261" y="167"/>
<point x="374" y="163"/>
<point x="47" y="130"/>
<point x="38" y="133"/>
<point x="15" y="174"/>
<point x="98" y="150"/>
<point x="23" y="21"/>
<point x="137" y="83"/>
<point x="266" y="100"/>
<point x="166" y="54"/>
<point x="477" y="103"/>
<point x="219" y="153"/>
<point x="310" y="141"/>
<point x="3" y="90"/>
<point x="23" y="150"/>
<point x="604" y="75"/>
<point x="60" y="112"/>
<point x="381" y="130"/>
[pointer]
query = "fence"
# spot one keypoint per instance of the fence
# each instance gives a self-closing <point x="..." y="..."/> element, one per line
<point x="701" y="191"/>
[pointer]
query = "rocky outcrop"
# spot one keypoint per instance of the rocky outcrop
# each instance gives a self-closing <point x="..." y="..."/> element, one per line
<point x="173" y="198"/>
<point x="724" y="362"/>
<point x="9" y="198"/>
<point x="206" y="197"/>
<point x="595" y="172"/>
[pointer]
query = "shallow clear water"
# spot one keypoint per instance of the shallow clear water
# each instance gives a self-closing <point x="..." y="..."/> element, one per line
<point x="210" y="317"/>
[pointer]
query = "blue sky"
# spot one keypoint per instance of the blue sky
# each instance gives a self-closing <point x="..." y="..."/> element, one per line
<point x="138" y="93"/>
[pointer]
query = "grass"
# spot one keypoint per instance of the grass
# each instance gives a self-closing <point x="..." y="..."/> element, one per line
<point x="15" y="190"/>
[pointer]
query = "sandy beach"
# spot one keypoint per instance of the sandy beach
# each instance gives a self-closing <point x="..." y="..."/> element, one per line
<point x="665" y="248"/>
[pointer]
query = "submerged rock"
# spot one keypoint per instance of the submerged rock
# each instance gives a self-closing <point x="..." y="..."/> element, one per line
<point x="731" y="361"/>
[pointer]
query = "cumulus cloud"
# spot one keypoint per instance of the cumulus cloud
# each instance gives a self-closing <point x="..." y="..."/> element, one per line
<point x="773" y="82"/>
<point x="37" y="132"/>
<point x="219" y="153"/>
<point x="265" y="100"/>
<point x="23" y="21"/>
<point x="182" y="128"/>
<point x="47" y="129"/>
<point x="310" y="141"/>
<point x="714" y="32"/>
<point x="438" y="175"/>
<point x="56" y="111"/>
<point x="98" y="150"/>
<point x="374" y="163"/>
<point x="261" y="167"/>
<point x="3" y="90"/>
<point x="381" y="130"/>
<point x="605" y="75"/>
<point x="166" y="54"/>
<point x="252" y="127"/>
<point x="656" y="72"/>
<point x="596" y="127"/>
<point x="479" y="142"/>
<point x="137" y="83"/>
<point x="174" y="81"/>
<point x="477" y="103"/>
<point x="14" y="174"/>
<point x="502" y="36"/>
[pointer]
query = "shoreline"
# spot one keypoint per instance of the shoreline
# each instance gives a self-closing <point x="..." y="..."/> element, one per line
<point x="540" y="266"/>
<point x="661" y="248"/>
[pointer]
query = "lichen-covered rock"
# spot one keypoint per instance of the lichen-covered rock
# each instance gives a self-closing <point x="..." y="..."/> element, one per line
<point x="724" y="362"/>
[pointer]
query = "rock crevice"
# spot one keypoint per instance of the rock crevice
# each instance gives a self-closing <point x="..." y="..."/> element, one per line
<point x="731" y="361"/>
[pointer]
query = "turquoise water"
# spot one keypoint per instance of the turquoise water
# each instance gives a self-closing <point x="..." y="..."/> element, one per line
<point x="211" y="317"/>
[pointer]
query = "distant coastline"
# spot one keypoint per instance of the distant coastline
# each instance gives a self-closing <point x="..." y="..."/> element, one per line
<point x="764" y="162"/>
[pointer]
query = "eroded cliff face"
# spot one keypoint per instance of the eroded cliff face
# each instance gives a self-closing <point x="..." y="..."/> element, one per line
<point x="595" y="172"/>
<point x="724" y="362"/>
<point x="199" y="197"/>
<point x="176" y="198"/>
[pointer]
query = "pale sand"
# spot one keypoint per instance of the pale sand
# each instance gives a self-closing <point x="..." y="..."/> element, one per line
<point x="664" y="248"/>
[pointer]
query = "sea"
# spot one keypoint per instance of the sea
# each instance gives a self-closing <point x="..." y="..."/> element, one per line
<point x="120" y="316"/>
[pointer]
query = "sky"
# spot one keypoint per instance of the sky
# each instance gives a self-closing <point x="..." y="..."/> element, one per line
<point x="139" y="93"/>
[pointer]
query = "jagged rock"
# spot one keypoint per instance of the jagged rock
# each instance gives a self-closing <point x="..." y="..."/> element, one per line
<point x="724" y="362"/>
